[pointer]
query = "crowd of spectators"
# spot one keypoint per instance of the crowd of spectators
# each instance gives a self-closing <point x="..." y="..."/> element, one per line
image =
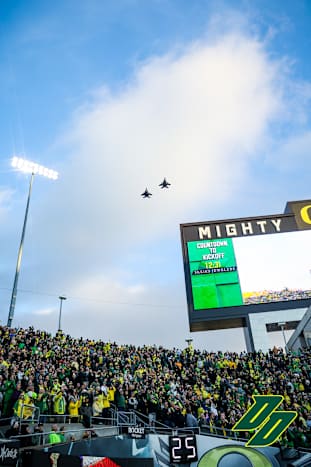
<point x="83" y="378"/>
<point x="267" y="296"/>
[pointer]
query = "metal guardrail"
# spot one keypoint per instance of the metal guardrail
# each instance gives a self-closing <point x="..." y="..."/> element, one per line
<point x="35" y="412"/>
<point x="161" y="428"/>
<point x="76" y="434"/>
<point x="118" y="421"/>
<point x="126" y="418"/>
<point x="42" y="439"/>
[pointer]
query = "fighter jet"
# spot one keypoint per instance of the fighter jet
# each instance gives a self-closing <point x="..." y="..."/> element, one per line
<point x="164" y="184"/>
<point x="146" y="194"/>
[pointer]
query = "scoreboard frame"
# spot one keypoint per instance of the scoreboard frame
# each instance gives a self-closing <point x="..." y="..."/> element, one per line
<point x="183" y="449"/>
<point x="296" y="217"/>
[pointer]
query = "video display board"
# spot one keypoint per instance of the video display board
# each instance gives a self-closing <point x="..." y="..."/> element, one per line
<point x="240" y="266"/>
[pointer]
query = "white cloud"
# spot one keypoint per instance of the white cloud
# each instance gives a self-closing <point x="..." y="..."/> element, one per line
<point x="198" y="116"/>
<point x="44" y="312"/>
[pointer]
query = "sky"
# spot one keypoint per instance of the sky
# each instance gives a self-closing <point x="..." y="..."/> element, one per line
<point x="115" y="96"/>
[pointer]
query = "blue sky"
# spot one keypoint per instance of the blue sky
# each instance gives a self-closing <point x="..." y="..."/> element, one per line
<point x="115" y="95"/>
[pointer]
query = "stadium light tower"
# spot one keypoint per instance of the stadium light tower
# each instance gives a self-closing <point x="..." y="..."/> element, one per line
<point x="283" y="326"/>
<point x="61" y="298"/>
<point x="32" y="168"/>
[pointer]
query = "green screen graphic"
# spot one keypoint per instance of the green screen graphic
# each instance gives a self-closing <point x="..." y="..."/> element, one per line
<point x="214" y="274"/>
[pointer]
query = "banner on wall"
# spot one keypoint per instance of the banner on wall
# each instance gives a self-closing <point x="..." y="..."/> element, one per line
<point x="154" y="450"/>
<point x="9" y="452"/>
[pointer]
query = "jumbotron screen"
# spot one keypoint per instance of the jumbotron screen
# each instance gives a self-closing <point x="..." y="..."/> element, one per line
<point x="256" y="264"/>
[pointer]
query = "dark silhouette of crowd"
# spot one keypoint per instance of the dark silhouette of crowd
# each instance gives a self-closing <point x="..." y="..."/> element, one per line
<point x="83" y="378"/>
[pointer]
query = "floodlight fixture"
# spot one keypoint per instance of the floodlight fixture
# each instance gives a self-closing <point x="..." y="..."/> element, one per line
<point x="27" y="166"/>
<point x="32" y="168"/>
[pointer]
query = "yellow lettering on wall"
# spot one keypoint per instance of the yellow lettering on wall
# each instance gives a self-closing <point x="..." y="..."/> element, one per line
<point x="305" y="215"/>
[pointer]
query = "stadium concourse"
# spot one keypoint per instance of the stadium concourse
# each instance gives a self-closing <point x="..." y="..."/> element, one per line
<point x="82" y="378"/>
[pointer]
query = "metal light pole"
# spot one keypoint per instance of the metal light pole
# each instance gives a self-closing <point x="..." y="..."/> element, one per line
<point x="283" y="326"/>
<point x="32" y="168"/>
<point x="62" y="298"/>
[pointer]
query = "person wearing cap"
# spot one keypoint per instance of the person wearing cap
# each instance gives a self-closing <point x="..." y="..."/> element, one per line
<point x="85" y="409"/>
<point x="56" y="387"/>
<point x="74" y="403"/>
<point x="59" y="403"/>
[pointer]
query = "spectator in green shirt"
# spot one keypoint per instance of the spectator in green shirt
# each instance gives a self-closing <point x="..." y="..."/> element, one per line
<point x="54" y="437"/>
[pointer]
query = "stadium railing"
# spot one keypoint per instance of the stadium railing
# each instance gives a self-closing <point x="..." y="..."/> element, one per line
<point x="116" y="424"/>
